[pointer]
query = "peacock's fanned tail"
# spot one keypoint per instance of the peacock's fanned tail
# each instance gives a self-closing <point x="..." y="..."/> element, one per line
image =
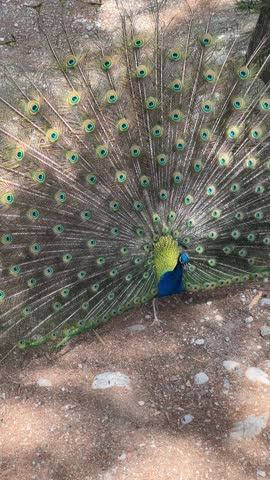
<point x="112" y="154"/>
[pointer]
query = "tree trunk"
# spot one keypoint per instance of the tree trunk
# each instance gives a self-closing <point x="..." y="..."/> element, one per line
<point x="262" y="29"/>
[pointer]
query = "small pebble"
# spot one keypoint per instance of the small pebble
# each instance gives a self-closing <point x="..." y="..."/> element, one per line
<point x="136" y="328"/>
<point x="265" y="331"/>
<point x="265" y="302"/>
<point x="257" y="375"/>
<point x="261" y="473"/>
<point x="186" y="419"/>
<point x="226" y="383"/>
<point x="201" y="378"/>
<point x="141" y="403"/>
<point x="230" y="365"/>
<point x="44" y="382"/>
<point x="248" y="428"/>
<point x="248" y="320"/>
<point x="199" y="341"/>
<point x="110" y="379"/>
<point x="122" y="457"/>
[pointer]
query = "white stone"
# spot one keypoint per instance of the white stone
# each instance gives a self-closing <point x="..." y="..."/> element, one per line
<point x="44" y="382"/>
<point x="265" y="302"/>
<point x="141" y="403"/>
<point x="122" y="457"/>
<point x="261" y="473"/>
<point x="201" y="378"/>
<point x="248" y="320"/>
<point x="230" y="365"/>
<point x="248" y="428"/>
<point x="199" y="341"/>
<point x="109" y="380"/>
<point x="257" y="375"/>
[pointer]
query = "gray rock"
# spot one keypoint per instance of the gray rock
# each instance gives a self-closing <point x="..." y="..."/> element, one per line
<point x="44" y="382"/>
<point x="186" y="419"/>
<point x="201" y="378"/>
<point x="106" y="476"/>
<point x="248" y="320"/>
<point x="230" y="365"/>
<point x="248" y="428"/>
<point x="257" y="375"/>
<point x="109" y="380"/>
<point x="265" y="331"/>
<point x="261" y="473"/>
<point x="136" y="328"/>
<point x="199" y="341"/>
<point x="226" y="383"/>
<point x="265" y="302"/>
<point x="122" y="457"/>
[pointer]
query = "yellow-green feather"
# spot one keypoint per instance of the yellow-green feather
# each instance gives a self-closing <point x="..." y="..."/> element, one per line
<point x="166" y="253"/>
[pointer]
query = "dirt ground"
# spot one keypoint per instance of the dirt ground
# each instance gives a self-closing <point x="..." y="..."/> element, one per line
<point x="55" y="426"/>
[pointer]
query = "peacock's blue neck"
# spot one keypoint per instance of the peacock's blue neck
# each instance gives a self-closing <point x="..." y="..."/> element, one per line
<point x="170" y="283"/>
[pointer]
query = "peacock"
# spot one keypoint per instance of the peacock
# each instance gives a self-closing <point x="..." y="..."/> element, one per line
<point x="132" y="167"/>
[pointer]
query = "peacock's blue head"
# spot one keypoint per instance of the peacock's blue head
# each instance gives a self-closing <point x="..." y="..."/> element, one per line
<point x="184" y="259"/>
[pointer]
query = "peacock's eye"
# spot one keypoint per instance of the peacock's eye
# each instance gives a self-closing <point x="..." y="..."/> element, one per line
<point x="244" y="73"/>
<point x="206" y="40"/>
<point x="106" y="63"/>
<point x="71" y="61"/>
<point x="138" y="42"/>
<point x="74" y="98"/>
